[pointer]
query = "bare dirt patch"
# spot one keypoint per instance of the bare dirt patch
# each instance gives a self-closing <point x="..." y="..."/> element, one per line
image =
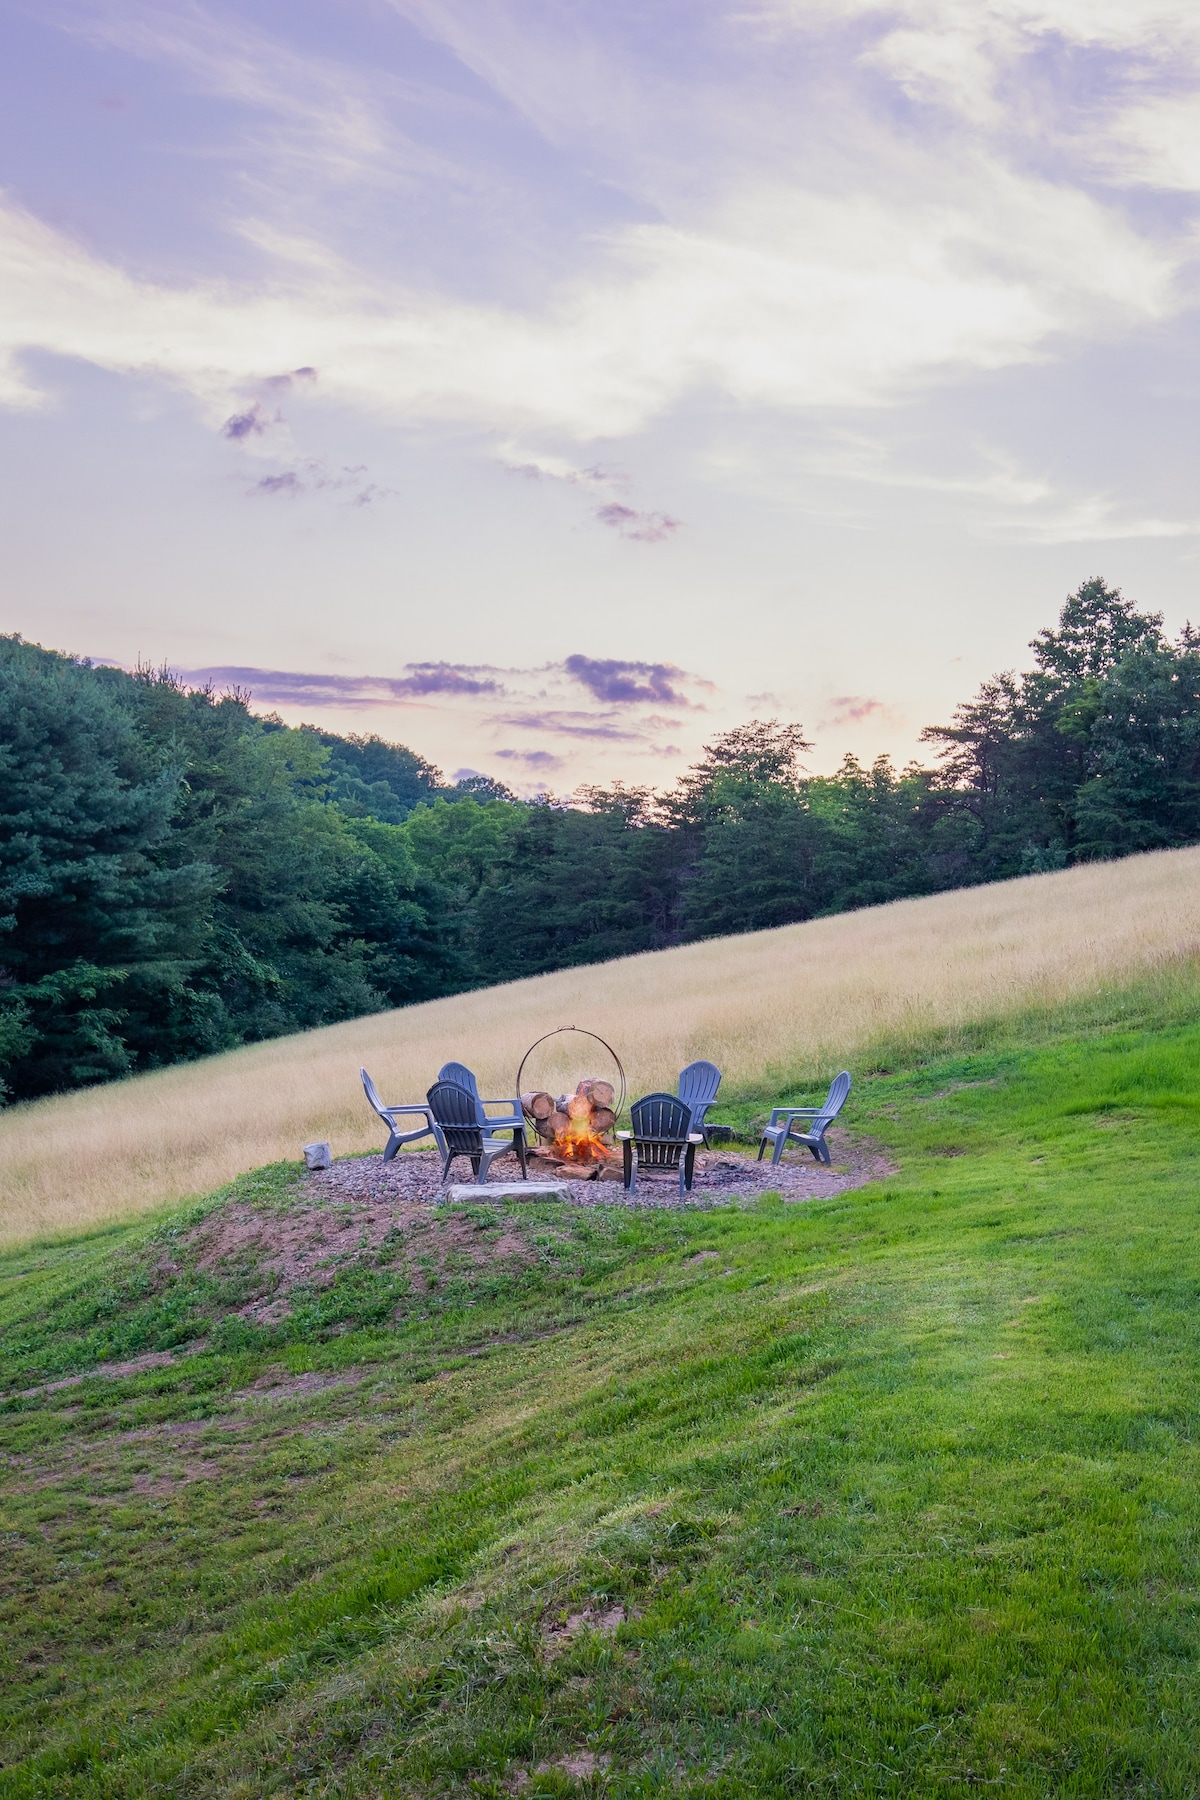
<point x="153" y="1359"/>
<point x="279" y="1252"/>
<point x="557" y="1633"/>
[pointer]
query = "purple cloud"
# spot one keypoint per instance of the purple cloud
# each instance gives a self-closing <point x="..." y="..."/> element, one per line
<point x="313" y="477"/>
<point x="247" y="424"/>
<point x="449" y="678"/>
<point x="574" y="724"/>
<point x="641" y="527"/>
<point x="849" y="709"/>
<point x="533" y="759"/>
<point x="626" y="683"/>
<point x="287" y="687"/>
<point x="281" y="384"/>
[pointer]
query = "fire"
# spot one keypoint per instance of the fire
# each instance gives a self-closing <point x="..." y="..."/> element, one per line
<point x="576" y="1141"/>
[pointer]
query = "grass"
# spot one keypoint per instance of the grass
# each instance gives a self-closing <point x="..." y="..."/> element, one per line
<point x="892" y="1494"/>
<point x="772" y="1008"/>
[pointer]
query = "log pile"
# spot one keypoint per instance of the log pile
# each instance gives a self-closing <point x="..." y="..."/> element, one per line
<point x="571" y="1123"/>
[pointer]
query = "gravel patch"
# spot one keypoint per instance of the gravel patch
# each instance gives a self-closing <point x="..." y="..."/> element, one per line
<point x="721" y="1176"/>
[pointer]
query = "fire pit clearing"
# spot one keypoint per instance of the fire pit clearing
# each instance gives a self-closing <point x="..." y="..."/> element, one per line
<point x="721" y="1178"/>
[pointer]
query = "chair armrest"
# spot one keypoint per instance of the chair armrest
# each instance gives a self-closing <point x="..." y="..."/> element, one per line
<point x="514" y="1116"/>
<point x="780" y="1113"/>
<point x="418" y="1107"/>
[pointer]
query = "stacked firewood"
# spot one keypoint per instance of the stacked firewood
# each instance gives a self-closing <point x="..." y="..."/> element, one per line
<point x="588" y="1110"/>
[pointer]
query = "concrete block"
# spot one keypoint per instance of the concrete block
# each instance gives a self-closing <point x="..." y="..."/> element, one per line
<point x="511" y="1190"/>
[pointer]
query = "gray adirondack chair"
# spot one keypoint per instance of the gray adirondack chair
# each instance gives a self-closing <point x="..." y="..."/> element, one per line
<point x="782" y="1131"/>
<point x="462" y="1130"/>
<point x="513" y="1120"/>
<point x="389" y="1115"/>
<point x="661" y="1138"/>
<point x="698" y="1085"/>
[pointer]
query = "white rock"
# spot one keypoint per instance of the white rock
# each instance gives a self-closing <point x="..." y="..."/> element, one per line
<point x="318" y="1156"/>
<point x="510" y="1190"/>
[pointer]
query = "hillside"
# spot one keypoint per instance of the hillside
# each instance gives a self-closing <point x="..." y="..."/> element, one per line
<point x="896" y="1493"/>
<point x="773" y="1008"/>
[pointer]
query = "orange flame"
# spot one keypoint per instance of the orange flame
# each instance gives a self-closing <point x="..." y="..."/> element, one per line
<point x="578" y="1142"/>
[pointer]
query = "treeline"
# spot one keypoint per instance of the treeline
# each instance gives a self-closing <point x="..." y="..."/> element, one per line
<point x="179" y="875"/>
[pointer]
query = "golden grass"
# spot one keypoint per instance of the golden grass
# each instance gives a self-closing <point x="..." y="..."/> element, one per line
<point x="763" y="1006"/>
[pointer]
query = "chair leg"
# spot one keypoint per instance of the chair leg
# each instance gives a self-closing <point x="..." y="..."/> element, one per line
<point x="446" y="1161"/>
<point x="476" y="1158"/>
<point x="519" y="1143"/>
<point x="780" y="1141"/>
<point x="485" y="1162"/>
<point x="688" y="1170"/>
<point x="393" y="1144"/>
<point x="762" y="1144"/>
<point x="629" y="1174"/>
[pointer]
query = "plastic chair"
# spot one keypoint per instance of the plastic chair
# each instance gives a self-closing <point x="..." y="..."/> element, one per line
<point x="781" y="1130"/>
<point x="661" y="1138"/>
<point x="698" y="1085"/>
<point x="389" y="1114"/>
<point x="513" y="1119"/>
<point x="461" y="1127"/>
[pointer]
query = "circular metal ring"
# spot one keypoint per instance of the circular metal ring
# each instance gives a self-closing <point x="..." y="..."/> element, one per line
<point x="583" y="1032"/>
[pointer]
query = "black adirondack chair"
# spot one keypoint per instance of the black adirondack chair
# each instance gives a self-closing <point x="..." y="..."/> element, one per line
<point x="461" y="1129"/>
<point x="661" y="1138"/>
<point x="782" y="1128"/>
<point x="698" y="1085"/>
<point x="389" y="1115"/>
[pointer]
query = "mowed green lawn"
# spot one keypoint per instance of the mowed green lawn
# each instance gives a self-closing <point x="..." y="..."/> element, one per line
<point x="897" y="1493"/>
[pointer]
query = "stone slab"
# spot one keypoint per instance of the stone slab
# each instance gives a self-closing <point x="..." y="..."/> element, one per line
<point x="511" y="1190"/>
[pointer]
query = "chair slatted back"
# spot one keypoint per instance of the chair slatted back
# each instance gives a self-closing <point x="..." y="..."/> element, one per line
<point x="661" y="1123"/>
<point x="834" y="1101"/>
<point x="461" y="1075"/>
<point x="698" y="1084"/>
<point x="373" y="1098"/>
<point x="456" y="1110"/>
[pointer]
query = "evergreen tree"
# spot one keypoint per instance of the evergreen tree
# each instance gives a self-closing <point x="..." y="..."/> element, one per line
<point x="86" y="909"/>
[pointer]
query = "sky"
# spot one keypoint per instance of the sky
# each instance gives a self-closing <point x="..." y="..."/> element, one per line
<point x="550" y="385"/>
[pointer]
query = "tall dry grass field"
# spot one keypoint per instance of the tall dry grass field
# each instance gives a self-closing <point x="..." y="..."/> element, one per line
<point x="763" y="1006"/>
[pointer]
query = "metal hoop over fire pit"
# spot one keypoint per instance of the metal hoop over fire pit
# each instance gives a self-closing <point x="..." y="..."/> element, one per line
<point x="583" y="1032"/>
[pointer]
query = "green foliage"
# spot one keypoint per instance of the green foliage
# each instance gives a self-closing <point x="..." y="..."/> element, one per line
<point x="178" y="876"/>
<point x="892" y="1494"/>
<point x="1094" y="752"/>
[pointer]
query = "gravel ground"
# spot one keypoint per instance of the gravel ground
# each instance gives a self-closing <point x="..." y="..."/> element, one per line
<point x="721" y="1176"/>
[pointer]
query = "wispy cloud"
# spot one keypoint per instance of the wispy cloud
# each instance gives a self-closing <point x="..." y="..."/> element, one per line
<point x="598" y="479"/>
<point x="535" y="760"/>
<point x="287" y="483"/>
<point x="250" y="423"/>
<point x="287" y="687"/>
<point x="642" y="527"/>
<point x="312" y="477"/>
<point x="626" y="683"/>
<point x="571" y="725"/>
<point x="852" y="709"/>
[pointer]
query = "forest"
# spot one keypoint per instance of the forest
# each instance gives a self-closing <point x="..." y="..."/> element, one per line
<point x="180" y="875"/>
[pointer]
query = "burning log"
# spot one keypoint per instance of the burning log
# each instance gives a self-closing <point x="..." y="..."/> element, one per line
<point x="572" y="1126"/>
<point x="600" y="1093"/>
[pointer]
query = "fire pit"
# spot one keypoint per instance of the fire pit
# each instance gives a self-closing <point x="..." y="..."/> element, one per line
<point x="575" y="1130"/>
